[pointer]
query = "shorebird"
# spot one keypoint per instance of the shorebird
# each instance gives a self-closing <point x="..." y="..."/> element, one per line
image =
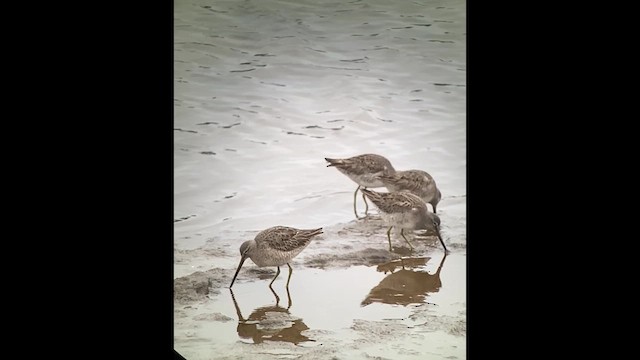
<point x="406" y="211"/>
<point x="275" y="246"/>
<point x="418" y="182"/>
<point x="365" y="170"/>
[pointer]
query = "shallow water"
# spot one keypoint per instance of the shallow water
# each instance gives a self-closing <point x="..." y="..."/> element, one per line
<point x="264" y="91"/>
<point x="336" y="309"/>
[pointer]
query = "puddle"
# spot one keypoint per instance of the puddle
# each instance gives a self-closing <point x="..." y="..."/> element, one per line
<point x="339" y="309"/>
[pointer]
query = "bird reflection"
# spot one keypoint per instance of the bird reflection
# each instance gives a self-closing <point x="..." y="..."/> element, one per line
<point x="404" y="287"/>
<point x="271" y="323"/>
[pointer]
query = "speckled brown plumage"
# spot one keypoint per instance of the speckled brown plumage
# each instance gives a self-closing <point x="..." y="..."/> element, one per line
<point x="275" y="246"/>
<point x="417" y="182"/>
<point x="406" y="211"/>
<point x="365" y="170"/>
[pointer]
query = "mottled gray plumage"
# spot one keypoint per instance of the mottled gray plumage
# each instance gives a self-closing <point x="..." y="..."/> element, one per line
<point x="275" y="246"/>
<point x="406" y="211"/>
<point x="417" y="182"/>
<point x="365" y="170"/>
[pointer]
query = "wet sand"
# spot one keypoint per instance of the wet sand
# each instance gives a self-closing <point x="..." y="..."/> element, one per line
<point x="349" y="298"/>
<point x="264" y="91"/>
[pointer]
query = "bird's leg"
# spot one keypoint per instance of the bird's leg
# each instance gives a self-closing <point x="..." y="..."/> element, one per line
<point x="287" y="287"/>
<point x="289" y="297"/>
<point x="274" y="278"/>
<point x="402" y="233"/>
<point x="290" y="272"/>
<point x="389" y="237"/>
<point x="355" y="197"/>
<point x="276" y="295"/>
<point x="366" y="209"/>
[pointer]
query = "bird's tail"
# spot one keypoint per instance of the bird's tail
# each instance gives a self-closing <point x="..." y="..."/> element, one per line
<point x="374" y="196"/>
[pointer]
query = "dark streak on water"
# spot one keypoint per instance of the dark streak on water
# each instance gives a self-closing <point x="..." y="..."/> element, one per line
<point x="274" y="84"/>
<point x="241" y="51"/>
<point x="230" y="196"/>
<point x="264" y="54"/>
<point x="191" y="131"/>
<point x="320" y="127"/>
<point x="361" y="60"/>
<point x="196" y="43"/>
<point x="307" y="197"/>
<point x="207" y="153"/>
<point x="208" y="123"/>
<point x="340" y="68"/>
<point x="378" y="48"/>
<point x="251" y="111"/>
<point x="439" y="84"/>
<point x="229" y="126"/>
<point x="242" y="70"/>
<point x="212" y="10"/>
<point x="442" y="41"/>
<point x="183" y="218"/>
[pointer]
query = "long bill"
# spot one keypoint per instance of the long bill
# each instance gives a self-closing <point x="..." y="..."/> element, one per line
<point x="244" y="257"/>
<point x="440" y="238"/>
